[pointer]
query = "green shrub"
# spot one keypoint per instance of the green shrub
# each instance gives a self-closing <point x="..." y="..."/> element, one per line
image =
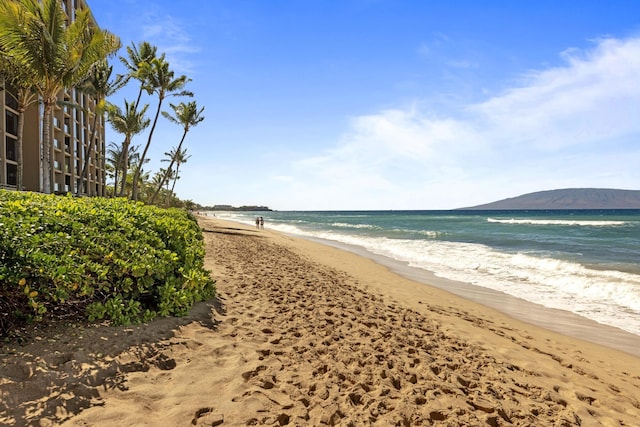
<point x="119" y="260"/>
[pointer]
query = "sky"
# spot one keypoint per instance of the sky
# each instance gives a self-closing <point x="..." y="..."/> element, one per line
<point x="392" y="104"/>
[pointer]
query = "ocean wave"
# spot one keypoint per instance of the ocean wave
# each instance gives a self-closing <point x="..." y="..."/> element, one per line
<point x="347" y="225"/>
<point x="586" y="223"/>
<point x="429" y="233"/>
<point x="609" y="297"/>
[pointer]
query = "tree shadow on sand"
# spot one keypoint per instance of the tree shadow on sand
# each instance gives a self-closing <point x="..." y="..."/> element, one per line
<point x="61" y="371"/>
<point x="230" y="231"/>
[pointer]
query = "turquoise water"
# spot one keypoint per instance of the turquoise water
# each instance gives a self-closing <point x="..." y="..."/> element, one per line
<point x="587" y="262"/>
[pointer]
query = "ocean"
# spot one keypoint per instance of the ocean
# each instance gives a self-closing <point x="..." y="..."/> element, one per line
<point x="583" y="261"/>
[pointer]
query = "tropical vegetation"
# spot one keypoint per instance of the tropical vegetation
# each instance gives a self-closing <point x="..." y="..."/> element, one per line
<point x="129" y="123"/>
<point x="17" y="78"/>
<point x="99" y="85"/>
<point x="158" y="79"/>
<point x="187" y="115"/>
<point x="41" y="55"/>
<point x="109" y="258"/>
<point x="52" y="53"/>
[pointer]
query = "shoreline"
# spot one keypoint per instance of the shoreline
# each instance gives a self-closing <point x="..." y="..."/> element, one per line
<point x="302" y="333"/>
<point x="557" y="320"/>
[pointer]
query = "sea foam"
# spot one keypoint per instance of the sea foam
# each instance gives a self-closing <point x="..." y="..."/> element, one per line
<point x="585" y="223"/>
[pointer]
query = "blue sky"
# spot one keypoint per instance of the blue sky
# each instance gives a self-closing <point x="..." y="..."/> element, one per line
<point x="394" y="104"/>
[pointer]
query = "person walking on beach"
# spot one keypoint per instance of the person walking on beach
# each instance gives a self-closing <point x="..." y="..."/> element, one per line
<point x="257" y="222"/>
<point x="262" y="222"/>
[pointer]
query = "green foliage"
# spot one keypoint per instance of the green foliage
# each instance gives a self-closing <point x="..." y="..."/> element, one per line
<point x="121" y="261"/>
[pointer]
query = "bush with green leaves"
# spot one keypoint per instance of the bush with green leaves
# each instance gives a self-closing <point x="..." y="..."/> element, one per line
<point x="118" y="260"/>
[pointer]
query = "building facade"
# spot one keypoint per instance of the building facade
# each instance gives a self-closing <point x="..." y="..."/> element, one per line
<point x="71" y="128"/>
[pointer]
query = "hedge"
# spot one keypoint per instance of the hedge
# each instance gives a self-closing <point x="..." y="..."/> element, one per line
<point x="117" y="260"/>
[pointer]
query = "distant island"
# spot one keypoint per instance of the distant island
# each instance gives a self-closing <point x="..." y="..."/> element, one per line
<point x="569" y="198"/>
<point x="233" y="208"/>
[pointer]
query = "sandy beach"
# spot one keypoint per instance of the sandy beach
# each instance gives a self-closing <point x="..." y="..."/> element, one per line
<point x="305" y="334"/>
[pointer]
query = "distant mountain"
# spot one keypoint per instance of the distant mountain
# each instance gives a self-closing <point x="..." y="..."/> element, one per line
<point x="570" y="198"/>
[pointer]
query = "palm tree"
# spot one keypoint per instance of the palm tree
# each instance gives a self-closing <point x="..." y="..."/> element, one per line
<point x="179" y="158"/>
<point x="22" y="91"/>
<point x="160" y="176"/>
<point x="54" y="53"/>
<point x="137" y="56"/>
<point x="187" y="115"/>
<point x="143" y="179"/>
<point x="166" y="175"/>
<point x="99" y="87"/>
<point x="114" y="163"/>
<point x="159" y="80"/>
<point x="157" y="177"/>
<point x="129" y="123"/>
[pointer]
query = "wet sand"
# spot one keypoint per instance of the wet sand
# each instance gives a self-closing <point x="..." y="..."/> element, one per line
<point x="561" y="321"/>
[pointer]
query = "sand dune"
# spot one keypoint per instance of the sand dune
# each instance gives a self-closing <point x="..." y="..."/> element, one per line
<point x="303" y="334"/>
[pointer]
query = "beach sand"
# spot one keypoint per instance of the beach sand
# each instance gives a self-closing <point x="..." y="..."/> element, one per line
<point x="306" y="334"/>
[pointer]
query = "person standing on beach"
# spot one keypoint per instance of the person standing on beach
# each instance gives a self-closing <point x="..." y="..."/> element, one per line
<point x="257" y="222"/>
<point x="262" y="222"/>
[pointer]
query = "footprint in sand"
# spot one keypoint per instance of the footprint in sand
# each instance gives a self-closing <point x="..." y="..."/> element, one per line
<point x="207" y="416"/>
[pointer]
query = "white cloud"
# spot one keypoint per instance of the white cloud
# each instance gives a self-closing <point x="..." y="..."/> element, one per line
<point x="283" y="178"/>
<point x="593" y="98"/>
<point x="554" y="130"/>
<point x="172" y="38"/>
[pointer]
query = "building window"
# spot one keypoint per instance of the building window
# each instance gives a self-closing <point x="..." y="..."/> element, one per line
<point x="11" y="122"/>
<point x="10" y="100"/>
<point x="12" y="174"/>
<point x="11" y="148"/>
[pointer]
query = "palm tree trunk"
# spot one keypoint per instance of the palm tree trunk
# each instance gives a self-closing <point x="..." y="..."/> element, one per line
<point x="136" y="176"/>
<point x="118" y="165"/>
<point x="21" y="111"/>
<point x="47" y="184"/>
<point x="139" y="96"/>
<point x="84" y="175"/>
<point x="166" y="173"/>
<point x="167" y="198"/>
<point x="175" y="179"/>
<point x="103" y="166"/>
<point x="115" y="177"/>
<point x="125" y="166"/>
